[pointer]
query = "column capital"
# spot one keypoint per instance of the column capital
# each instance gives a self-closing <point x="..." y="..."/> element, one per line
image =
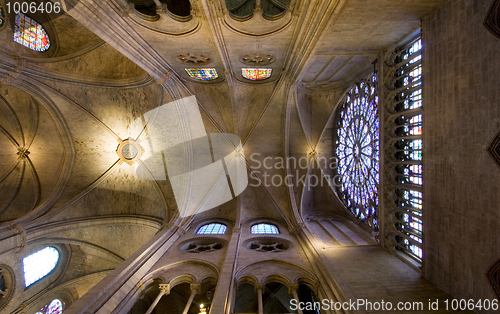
<point x="258" y="286"/>
<point x="164" y="288"/>
<point x="196" y="288"/>
<point x="293" y="288"/>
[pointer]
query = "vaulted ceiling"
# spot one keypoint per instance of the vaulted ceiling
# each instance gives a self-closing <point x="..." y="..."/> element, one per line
<point x="65" y="111"/>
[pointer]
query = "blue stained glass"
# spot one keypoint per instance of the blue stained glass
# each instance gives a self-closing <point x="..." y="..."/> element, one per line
<point x="213" y="228"/>
<point x="55" y="307"/>
<point x="264" y="229"/>
<point x="358" y="150"/>
<point x="204" y="74"/>
<point x="1" y="15"/>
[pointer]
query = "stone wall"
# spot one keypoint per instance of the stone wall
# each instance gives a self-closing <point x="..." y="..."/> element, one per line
<point x="461" y="180"/>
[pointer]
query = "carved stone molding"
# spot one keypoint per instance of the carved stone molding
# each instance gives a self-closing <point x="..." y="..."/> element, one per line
<point x="494" y="149"/>
<point x="267" y="244"/>
<point x="21" y="236"/>
<point x="492" y="20"/>
<point x="493" y="275"/>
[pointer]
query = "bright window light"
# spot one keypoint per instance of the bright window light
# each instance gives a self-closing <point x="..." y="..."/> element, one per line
<point x="213" y="228"/>
<point x="39" y="264"/>
<point x="264" y="229"/>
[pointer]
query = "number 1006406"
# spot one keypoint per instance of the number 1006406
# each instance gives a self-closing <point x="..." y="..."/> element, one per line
<point x="33" y="7"/>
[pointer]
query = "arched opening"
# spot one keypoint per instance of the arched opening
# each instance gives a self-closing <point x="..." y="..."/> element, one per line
<point x="276" y="299"/>
<point x="183" y="296"/>
<point x="273" y="8"/>
<point x="246" y="300"/>
<point x="307" y="295"/>
<point x="178" y="7"/>
<point x="146" y="9"/>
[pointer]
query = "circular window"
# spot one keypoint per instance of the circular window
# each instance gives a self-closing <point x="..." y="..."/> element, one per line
<point x="267" y="245"/>
<point x="357" y="148"/>
<point x="202" y="245"/>
<point x="6" y="285"/>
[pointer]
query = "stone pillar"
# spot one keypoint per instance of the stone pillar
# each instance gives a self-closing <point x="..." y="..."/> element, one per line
<point x="292" y="289"/>
<point x="221" y="304"/>
<point x="259" y="287"/>
<point x="164" y="289"/>
<point x="195" y="289"/>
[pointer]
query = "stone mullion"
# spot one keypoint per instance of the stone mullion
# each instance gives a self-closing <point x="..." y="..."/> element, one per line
<point x="389" y="181"/>
<point x="222" y="303"/>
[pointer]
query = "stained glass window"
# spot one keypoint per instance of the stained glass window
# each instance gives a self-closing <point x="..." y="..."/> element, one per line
<point x="264" y="229"/>
<point x="213" y="228"/>
<point x="1" y="16"/>
<point x="204" y="74"/>
<point x="39" y="264"/>
<point x="256" y="74"/>
<point x="357" y="148"/>
<point x="30" y="33"/>
<point x="55" y="307"/>
<point x="407" y="103"/>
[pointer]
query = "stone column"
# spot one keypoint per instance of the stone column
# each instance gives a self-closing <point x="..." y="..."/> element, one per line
<point x="292" y="289"/>
<point x="222" y="301"/>
<point x="195" y="289"/>
<point x="164" y="289"/>
<point x="259" y="287"/>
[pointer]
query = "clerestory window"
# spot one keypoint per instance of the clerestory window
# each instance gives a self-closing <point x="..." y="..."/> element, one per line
<point x="30" y="33"/>
<point x="212" y="228"/>
<point x="39" y="264"/>
<point x="264" y="228"/>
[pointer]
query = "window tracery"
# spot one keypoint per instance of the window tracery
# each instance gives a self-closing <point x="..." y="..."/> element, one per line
<point x="39" y="264"/>
<point x="7" y="285"/>
<point x="357" y="148"/>
<point x="405" y="150"/>
<point x="257" y="59"/>
<point x="30" y="33"/>
<point x="193" y="59"/>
